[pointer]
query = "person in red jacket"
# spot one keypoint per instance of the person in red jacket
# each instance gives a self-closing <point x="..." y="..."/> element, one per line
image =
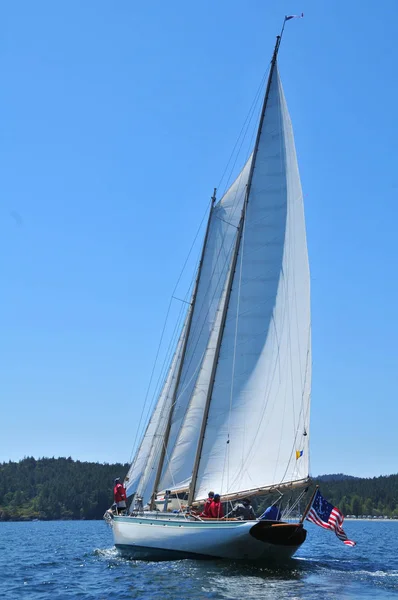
<point x="205" y="512"/>
<point x="119" y="495"/>
<point x="216" y="510"/>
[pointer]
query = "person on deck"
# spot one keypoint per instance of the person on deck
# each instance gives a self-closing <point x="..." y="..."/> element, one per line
<point x="206" y="510"/>
<point x="119" y="495"/>
<point x="216" y="509"/>
<point x="243" y="510"/>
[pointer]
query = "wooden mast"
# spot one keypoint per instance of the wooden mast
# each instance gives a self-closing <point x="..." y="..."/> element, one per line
<point x="231" y="276"/>
<point x="183" y="351"/>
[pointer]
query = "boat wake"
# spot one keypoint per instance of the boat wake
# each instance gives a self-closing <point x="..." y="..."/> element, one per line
<point x="108" y="554"/>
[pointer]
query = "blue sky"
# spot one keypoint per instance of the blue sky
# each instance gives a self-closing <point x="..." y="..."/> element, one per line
<point x="117" y="120"/>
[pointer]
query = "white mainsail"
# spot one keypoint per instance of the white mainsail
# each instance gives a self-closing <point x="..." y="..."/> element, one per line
<point x="141" y="475"/>
<point x="199" y="356"/>
<point x="258" y="420"/>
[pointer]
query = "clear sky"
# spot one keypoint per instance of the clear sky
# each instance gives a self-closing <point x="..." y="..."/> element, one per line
<point x="117" y="120"/>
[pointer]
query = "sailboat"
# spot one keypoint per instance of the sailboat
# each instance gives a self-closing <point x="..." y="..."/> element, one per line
<point x="233" y="413"/>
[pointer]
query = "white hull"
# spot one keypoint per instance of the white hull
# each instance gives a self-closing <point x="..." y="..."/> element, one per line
<point x="164" y="538"/>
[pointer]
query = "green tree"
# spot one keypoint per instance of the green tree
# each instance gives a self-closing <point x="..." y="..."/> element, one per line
<point x="356" y="506"/>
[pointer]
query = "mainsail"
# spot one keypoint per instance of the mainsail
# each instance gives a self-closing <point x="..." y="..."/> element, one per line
<point x="257" y="428"/>
<point x="233" y="415"/>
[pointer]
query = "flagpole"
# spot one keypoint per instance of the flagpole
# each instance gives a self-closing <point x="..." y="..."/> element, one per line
<point x="308" y="507"/>
<point x="283" y="27"/>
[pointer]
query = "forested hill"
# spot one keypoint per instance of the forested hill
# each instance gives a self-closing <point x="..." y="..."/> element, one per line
<point x="375" y="496"/>
<point x="56" y="488"/>
<point x="61" y="488"/>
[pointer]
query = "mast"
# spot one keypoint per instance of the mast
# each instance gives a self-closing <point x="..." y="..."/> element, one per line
<point x="231" y="276"/>
<point x="183" y="351"/>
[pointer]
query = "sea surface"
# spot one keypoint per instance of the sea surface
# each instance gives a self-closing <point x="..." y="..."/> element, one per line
<point x="76" y="559"/>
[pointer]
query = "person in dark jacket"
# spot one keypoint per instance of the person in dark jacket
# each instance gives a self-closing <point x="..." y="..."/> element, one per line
<point x="243" y="510"/>
<point x="119" y="495"/>
<point x="205" y="512"/>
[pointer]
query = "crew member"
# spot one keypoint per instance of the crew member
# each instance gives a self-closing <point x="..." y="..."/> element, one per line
<point x="206" y="510"/>
<point x="119" y="495"/>
<point x="216" y="509"/>
<point x="244" y="510"/>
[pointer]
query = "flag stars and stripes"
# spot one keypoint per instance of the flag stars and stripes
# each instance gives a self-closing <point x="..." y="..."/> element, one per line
<point x="325" y="515"/>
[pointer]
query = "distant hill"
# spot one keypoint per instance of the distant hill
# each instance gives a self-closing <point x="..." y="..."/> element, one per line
<point x="62" y="488"/>
<point x="56" y="488"/>
<point x="335" y="477"/>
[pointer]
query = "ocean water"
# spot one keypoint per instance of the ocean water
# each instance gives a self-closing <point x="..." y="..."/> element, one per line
<point x="76" y="559"/>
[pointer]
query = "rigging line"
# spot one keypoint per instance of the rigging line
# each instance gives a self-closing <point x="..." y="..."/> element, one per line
<point x="224" y="221"/>
<point x="181" y="300"/>
<point x="287" y="512"/>
<point x="245" y="125"/>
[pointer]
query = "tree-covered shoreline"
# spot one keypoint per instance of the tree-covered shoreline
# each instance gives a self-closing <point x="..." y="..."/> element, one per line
<point x="62" y="488"/>
<point x="56" y="488"/>
<point x="375" y="496"/>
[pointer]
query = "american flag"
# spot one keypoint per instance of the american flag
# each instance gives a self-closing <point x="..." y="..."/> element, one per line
<point x="326" y="515"/>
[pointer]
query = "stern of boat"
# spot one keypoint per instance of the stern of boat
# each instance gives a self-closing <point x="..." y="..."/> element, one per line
<point x="279" y="534"/>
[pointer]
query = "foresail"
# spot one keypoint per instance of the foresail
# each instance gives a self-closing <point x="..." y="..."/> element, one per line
<point x="199" y="356"/>
<point x="257" y="433"/>
<point x="141" y="474"/>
